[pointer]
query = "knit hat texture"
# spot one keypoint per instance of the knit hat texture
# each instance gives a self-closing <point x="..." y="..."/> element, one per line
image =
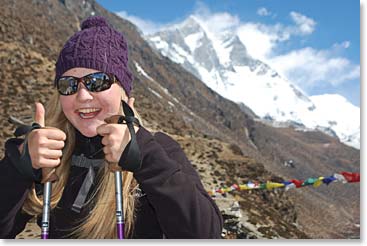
<point x="97" y="46"/>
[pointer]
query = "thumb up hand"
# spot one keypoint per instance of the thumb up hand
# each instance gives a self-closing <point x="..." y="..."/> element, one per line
<point x="45" y="146"/>
<point x="39" y="115"/>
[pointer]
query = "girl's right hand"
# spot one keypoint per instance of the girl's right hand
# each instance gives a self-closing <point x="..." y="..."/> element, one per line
<point x="45" y="145"/>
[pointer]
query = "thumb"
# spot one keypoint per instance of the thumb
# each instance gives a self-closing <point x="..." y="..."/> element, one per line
<point x="130" y="102"/>
<point x="39" y="116"/>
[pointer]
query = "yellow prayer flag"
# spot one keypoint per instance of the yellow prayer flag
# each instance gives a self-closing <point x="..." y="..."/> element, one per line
<point x="227" y="189"/>
<point x="244" y="187"/>
<point x="318" y="182"/>
<point x="272" y="185"/>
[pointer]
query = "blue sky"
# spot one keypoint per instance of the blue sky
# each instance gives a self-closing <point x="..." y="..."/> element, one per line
<point x="314" y="43"/>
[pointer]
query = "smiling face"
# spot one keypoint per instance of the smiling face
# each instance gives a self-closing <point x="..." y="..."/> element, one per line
<point x="87" y="110"/>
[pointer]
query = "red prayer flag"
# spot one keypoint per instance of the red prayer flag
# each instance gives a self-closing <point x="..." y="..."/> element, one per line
<point x="351" y="177"/>
<point x="236" y="186"/>
<point x="298" y="183"/>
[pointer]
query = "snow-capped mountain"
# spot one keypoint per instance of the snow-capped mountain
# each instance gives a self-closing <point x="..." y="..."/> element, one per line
<point x="222" y="62"/>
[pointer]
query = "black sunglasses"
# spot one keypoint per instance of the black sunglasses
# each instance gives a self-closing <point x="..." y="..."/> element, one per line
<point x="95" y="82"/>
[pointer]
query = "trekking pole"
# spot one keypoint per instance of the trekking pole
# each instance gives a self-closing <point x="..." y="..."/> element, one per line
<point x="119" y="205"/>
<point x="133" y="158"/>
<point x="47" y="190"/>
<point x="49" y="176"/>
<point x="114" y="167"/>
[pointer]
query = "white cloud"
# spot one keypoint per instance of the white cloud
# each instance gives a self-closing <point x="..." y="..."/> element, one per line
<point x="346" y="44"/>
<point x="259" y="42"/>
<point x="309" y="67"/>
<point x="215" y="22"/>
<point x="219" y="22"/>
<point x="146" y="26"/>
<point x="304" y="24"/>
<point x="260" y="39"/>
<point x="343" y="45"/>
<point x="263" y="12"/>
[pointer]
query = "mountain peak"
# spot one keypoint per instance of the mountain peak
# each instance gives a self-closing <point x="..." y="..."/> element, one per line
<point x="191" y="21"/>
<point x="222" y="62"/>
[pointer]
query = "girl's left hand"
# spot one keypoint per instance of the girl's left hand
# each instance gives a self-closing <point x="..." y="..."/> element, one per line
<point x="115" y="137"/>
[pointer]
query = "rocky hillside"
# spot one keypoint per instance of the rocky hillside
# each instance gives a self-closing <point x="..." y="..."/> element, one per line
<point x="224" y="144"/>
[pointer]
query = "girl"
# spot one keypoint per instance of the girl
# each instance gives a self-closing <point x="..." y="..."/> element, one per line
<point x="75" y="144"/>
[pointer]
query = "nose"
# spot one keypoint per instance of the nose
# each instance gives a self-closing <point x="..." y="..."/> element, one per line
<point x="83" y="94"/>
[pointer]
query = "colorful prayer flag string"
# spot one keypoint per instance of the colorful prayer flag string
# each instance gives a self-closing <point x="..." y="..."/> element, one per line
<point x="344" y="177"/>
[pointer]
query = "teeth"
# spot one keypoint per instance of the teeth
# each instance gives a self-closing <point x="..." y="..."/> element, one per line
<point x="88" y="110"/>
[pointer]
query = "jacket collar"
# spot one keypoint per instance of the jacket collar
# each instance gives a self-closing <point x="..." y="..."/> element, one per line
<point x="88" y="146"/>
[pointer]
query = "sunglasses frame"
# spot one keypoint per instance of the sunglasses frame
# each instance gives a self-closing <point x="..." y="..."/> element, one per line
<point x="82" y="80"/>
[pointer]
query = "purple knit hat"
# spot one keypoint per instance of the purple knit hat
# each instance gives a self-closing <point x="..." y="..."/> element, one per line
<point x="97" y="46"/>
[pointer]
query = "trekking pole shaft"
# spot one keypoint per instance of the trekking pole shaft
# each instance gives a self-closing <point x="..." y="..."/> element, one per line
<point x="119" y="204"/>
<point x="46" y="210"/>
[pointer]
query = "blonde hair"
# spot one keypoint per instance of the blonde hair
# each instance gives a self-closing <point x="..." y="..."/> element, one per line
<point x="101" y="221"/>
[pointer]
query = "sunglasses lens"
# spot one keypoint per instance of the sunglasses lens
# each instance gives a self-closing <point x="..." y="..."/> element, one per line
<point x="95" y="82"/>
<point x="67" y="86"/>
<point x="98" y="82"/>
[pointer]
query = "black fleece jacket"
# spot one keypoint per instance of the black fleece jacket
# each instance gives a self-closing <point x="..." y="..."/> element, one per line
<point x="173" y="202"/>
